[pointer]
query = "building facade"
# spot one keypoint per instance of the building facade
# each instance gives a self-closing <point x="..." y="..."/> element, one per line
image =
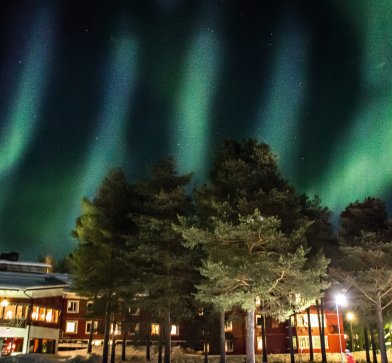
<point x="30" y="308"/>
<point x="40" y="314"/>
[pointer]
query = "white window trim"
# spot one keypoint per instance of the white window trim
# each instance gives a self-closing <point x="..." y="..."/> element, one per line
<point x="76" y="327"/>
<point x="76" y="304"/>
<point x="93" y="326"/>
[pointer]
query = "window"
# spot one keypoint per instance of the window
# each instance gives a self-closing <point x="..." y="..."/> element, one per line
<point x="116" y="329"/>
<point x="259" y="343"/>
<point x="302" y="320"/>
<point x="71" y="326"/>
<point x="73" y="306"/>
<point x="10" y="345"/>
<point x="229" y="346"/>
<point x="303" y="342"/>
<point x="41" y="313"/>
<point x="88" y="326"/>
<point x="89" y="306"/>
<point x="9" y="312"/>
<point x="154" y="329"/>
<point x="49" y="315"/>
<point x="228" y="326"/>
<point x="34" y="314"/>
<point x="259" y="320"/>
<point x="174" y="330"/>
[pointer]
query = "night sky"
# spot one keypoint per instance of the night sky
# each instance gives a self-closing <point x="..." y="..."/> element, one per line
<point x="90" y="85"/>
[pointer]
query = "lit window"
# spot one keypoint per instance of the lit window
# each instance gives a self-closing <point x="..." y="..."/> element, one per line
<point x="174" y="330"/>
<point x="55" y="316"/>
<point x="73" y="306"/>
<point x="229" y="346"/>
<point x="302" y="320"/>
<point x="116" y="330"/>
<point x="42" y="313"/>
<point x="154" y="329"/>
<point x="88" y="326"/>
<point x="34" y="314"/>
<point x="259" y="343"/>
<point x="9" y="311"/>
<point x="228" y="326"/>
<point x="71" y="326"/>
<point x="49" y="315"/>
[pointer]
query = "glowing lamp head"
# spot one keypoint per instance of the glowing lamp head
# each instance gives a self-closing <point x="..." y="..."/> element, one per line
<point x="341" y="300"/>
<point x="350" y="316"/>
<point x="4" y="303"/>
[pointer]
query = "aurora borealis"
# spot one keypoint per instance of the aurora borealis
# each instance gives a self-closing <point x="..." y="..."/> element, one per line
<point x="90" y="85"/>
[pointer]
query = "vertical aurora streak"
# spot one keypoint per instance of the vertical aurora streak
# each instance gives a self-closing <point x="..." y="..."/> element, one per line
<point x="23" y="117"/>
<point x="361" y="165"/>
<point x="191" y="133"/>
<point x="108" y="146"/>
<point x="278" y="115"/>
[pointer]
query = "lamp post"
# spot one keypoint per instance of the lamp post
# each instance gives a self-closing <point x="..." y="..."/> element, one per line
<point x="350" y="318"/>
<point x="342" y="301"/>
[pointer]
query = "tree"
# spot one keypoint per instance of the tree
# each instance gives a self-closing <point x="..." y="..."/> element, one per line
<point x="367" y="216"/>
<point x="165" y="266"/>
<point x="250" y="226"/>
<point x="365" y="237"/>
<point x="368" y="270"/>
<point x="319" y="234"/>
<point x="97" y="264"/>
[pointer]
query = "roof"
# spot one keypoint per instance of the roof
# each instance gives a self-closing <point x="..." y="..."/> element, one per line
<point x="29" y="281"/>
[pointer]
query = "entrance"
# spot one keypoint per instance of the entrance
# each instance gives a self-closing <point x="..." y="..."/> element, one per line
<point x="42" y="345"/>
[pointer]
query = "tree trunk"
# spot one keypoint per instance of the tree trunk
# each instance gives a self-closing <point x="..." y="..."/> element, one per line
<point x="250" y="336"/>
<point x="292" y="357"/>
<point x="320" y="317"/>
<point x="311" y="358"/>
<point x="148" y="343"/>
<point x="222" y="337"/>
<point x="205" y="347"/>
<point x="374" y="347"/>
<point x="105" y="350"/>
<point x="160" y="343"/>
<point x="381" y="336"/>
<point x="124" y="340"/>
<point x="167" y="332"/>
<point x="264" y="340"/>
<point x="90" y="338"/>
<point x="367" y="349"/>
<point x="113" y="351"/>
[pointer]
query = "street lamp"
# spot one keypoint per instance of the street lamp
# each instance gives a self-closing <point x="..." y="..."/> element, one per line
<point x="342" y="301"/>
<point x="350" y="318"/>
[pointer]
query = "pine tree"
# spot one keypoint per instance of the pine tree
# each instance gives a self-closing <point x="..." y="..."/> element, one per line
<point x="97" y="264"/>
<point x="250" y="225"/>
<point x="368" y="270"/>
<point x="166" y="267"/>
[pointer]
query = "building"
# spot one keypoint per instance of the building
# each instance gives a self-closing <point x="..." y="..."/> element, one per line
<point x="30" y="308"/>
<point x="277" y="337"/>
<point x="39" y="313"/>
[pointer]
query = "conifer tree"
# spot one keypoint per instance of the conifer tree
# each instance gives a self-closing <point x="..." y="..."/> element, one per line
<point x="250" y="225"/>
<point x="165" y="266"/>
<point x="97" y="264"/>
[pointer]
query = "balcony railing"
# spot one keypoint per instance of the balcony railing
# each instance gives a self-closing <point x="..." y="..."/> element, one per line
<point x="13" y="323"/>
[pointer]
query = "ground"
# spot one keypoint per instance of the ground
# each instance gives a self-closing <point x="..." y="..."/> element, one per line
<point x="178" y="356"/>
